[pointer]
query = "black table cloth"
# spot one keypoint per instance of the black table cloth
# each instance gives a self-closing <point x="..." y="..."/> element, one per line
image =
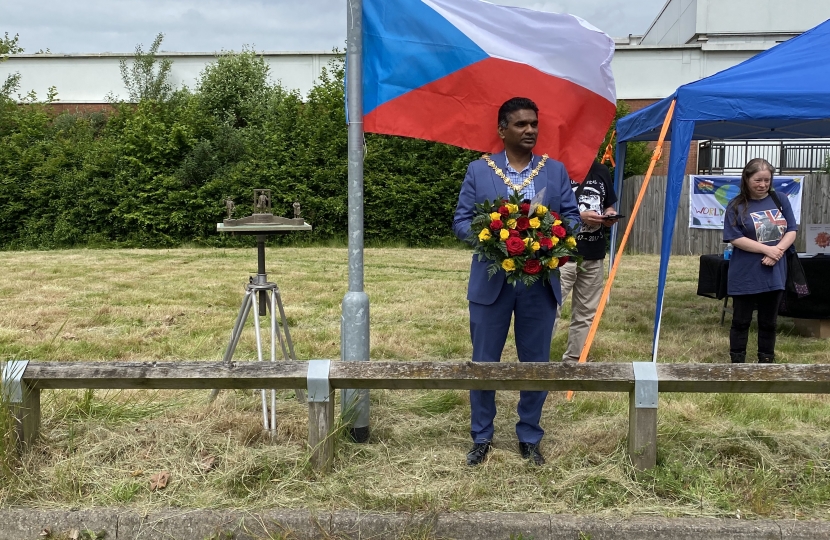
<point x="712" y="276"/>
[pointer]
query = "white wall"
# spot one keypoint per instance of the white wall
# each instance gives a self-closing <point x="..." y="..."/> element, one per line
<point x="675" y="25"/>
<point x="761" y="16"/>
<point x="644" y="72"/>
<point x="680" y="21"/>
<point x="88" y="78"/>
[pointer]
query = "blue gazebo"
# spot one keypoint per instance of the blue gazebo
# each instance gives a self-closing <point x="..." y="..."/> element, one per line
<point x="782" y="93"/>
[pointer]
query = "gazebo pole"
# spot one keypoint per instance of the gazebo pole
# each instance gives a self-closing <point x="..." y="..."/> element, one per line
<point x="354" y="323"/>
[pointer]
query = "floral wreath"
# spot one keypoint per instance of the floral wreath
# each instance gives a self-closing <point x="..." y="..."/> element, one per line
<point x="528" y="242"/>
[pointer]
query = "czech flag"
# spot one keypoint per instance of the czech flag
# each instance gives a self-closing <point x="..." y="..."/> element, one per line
<point x="440" y="69"/>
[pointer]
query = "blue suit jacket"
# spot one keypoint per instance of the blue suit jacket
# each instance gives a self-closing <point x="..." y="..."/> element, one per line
<point x="481" y="183"/>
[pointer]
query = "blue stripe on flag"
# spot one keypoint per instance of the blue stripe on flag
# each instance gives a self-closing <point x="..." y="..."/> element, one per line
<point x="406" y="45"/>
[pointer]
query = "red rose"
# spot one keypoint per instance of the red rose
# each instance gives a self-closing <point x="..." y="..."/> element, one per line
<point x="503" y="211"/>
<point x="522" y="224"/>
<point x="555" y="215"/>
<point x="496" y="224"/>
<point x="524" y="208"/>
<point x="558" y="231"/>
<point x="533" y="266"/>
<point x="563" y="260"/>
<point x="513" y="233"/>
<point x="546" y="243"/>
<point x="515" y="246"/>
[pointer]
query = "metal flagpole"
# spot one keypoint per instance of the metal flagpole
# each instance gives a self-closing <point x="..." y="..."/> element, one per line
<point x="354" y="323"/>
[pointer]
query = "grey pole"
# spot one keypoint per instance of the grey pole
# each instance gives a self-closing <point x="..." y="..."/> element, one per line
<point x="354" y="324"/>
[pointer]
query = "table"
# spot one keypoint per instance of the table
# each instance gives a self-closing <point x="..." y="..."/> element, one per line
<point x="812" y="313"/>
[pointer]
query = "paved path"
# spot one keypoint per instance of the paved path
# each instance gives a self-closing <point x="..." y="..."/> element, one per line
<point x="130" y="524"/>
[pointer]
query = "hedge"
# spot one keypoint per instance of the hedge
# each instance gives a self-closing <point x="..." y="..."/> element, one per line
<point x="155" y="173"/>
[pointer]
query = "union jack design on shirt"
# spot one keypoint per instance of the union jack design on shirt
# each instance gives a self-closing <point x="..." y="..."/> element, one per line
<point x="770" y="225"/>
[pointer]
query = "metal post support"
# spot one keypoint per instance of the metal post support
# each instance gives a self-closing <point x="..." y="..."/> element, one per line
<point x="13" y="380"/>
<point x="23" y="403"/>
<point x="642" y="416"/>
<point x="320" y="414"/>
<point x="354" y="328"/>
<point x="262" y="277"/>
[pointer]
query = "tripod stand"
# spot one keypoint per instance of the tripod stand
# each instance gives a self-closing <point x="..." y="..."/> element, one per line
<point x="263" y="296"/>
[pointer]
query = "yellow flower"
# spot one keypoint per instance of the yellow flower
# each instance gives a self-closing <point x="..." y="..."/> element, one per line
<point x="527" y="241"/>
<point x="541" y="210"/>
<point x="554" y="240"/>
<point x="557" y="222"/>
<point x="484" y="235"/>
<point x="509" y="265"/>
<point x="570" y="242"/>
<point x="553" y="263"/>
<point x="511" y="223"/>
<point x="495" y="215"/>
<point x="504" y="235"/>
<point x="513" y="208"/>
<point x="535" y="223"/>
<point x="535" y="246"/>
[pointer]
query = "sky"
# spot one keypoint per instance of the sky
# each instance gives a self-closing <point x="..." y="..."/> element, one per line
<point x="98" y="26"/>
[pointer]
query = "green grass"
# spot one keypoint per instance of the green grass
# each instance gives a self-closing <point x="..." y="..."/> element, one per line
<point x="718" y="454"/>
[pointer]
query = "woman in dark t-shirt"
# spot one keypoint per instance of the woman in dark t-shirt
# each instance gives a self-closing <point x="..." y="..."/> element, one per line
<point x="761" y="233"/>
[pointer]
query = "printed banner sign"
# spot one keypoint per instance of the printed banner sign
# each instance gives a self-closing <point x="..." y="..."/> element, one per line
<point x="709" y="195"/>
<point x="818" y="239"/>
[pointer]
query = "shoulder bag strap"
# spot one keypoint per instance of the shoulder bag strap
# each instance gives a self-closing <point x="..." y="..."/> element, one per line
<point x="777" y="201"/>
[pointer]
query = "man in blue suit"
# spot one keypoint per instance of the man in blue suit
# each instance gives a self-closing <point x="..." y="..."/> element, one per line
<point x="492" y="301"/>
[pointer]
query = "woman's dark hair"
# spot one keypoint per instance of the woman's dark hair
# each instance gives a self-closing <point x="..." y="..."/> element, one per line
<point x="515" y="104"/>
<point x="736" y="209"/>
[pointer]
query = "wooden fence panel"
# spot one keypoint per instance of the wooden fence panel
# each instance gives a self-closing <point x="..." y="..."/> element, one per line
<point x="647" y="233"/>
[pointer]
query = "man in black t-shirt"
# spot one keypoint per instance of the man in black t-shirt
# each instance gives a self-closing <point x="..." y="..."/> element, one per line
<point x="596" y="198"/>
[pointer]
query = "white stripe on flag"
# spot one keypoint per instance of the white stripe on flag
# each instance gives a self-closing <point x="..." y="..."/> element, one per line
<point x="558" y="44"/>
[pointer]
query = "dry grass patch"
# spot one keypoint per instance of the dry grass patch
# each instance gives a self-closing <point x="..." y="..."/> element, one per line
<point x="760" y="455"/>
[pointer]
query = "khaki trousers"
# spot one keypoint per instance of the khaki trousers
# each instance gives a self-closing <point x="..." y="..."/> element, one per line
<point x="586" y="289"/>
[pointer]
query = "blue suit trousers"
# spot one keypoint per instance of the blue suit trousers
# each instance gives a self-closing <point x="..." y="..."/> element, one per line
<point x="534" y="310"/>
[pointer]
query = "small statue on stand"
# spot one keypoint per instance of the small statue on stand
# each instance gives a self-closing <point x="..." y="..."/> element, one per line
<point x="262" y="213"/>
<point x="262" y="201"/>
<point x="229" y="206"/>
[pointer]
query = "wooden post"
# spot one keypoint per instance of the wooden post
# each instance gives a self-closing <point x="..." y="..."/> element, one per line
<point x="320" y="414"/>
<point x="320" y="433"/>
<point x="27" y="417"/>
<point x="642" y="416"/>
<point x="642" y="435"/>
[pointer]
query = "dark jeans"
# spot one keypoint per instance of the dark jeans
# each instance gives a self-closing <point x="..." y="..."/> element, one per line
<point x="742" y="307"/>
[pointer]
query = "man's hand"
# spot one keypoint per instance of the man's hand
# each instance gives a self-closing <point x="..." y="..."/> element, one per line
<point x="590" y="216"/>
<point x="607" y="221"/>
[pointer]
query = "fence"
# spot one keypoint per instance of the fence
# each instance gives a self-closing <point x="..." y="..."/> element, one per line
<point x="25" y="380"/>
<point x="729" y="157"/>
<point x="647" y="233"/>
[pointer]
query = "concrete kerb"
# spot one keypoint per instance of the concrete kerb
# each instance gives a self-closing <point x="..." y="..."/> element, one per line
<point x="129" y="524"/>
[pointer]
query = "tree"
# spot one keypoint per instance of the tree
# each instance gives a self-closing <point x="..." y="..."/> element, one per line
<point x="637" y="156"/>
<point x="235" y="87"/>
<point x="9" y="46"/>
<point x="147" y="78"/>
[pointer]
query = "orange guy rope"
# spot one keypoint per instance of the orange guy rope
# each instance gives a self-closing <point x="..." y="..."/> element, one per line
<point x="583" y="357"/>
<point x="609" y="151"/>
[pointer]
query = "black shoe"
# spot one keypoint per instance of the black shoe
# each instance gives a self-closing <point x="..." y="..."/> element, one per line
<point x="531" y="452"/>
<point x="737" y="357"/>
<point x="477" y="453"/>
<point x="764" y="358"/>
